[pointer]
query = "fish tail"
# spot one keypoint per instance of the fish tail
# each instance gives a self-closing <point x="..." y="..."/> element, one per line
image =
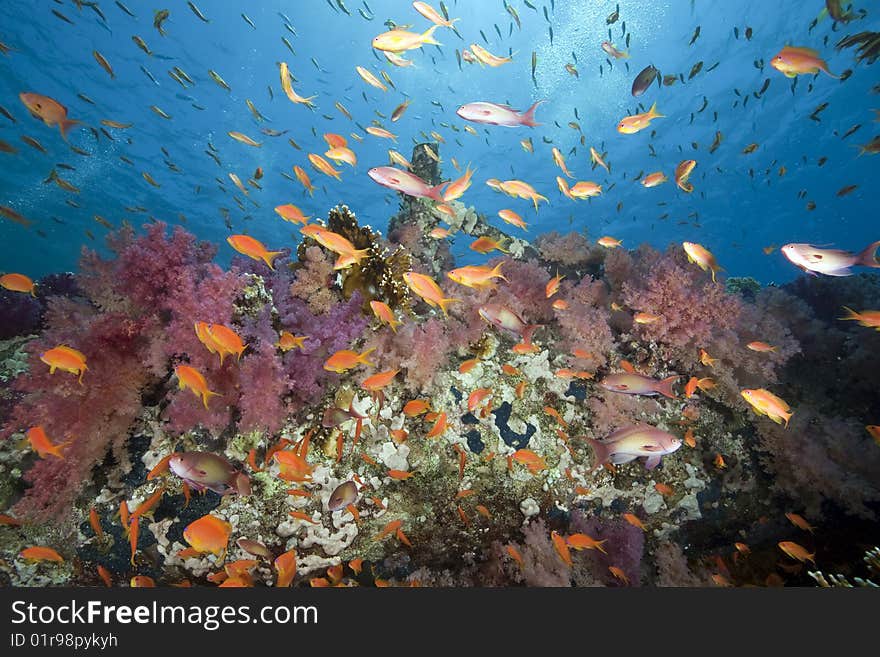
<point x="824" y="67"/>
<point x="436" y="193"/>
<point x="269" y="258"/>
<point x="428" y="36"/>
<point x="66" y="124"/>
<point x="850" y="314"/>
<point x="601" y="453"/>
<point x="362" y="358"/>
<point x="444" y="302"/>
<point x="207" y="395"/>
<point x="528" y="117"/>
<point x="868" y="257"/>
<point x="496" y="272"/>
<point x="529" y="332"/>
<point x="786" y="417"/>
<point x="664" y="387"/>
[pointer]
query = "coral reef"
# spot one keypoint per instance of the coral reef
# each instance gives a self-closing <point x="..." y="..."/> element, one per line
<point x="461" y="444"/>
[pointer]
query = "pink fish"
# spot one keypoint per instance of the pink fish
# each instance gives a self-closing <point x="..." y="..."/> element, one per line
<point x="629" y="443"/>
<point x="505" y="318"/>
<point x="636" y="384"/>
<point x="406" y="183"/>
<point x="831" y="262"/>
<point x="203" y="470"/>
<point x="492" y="114"/>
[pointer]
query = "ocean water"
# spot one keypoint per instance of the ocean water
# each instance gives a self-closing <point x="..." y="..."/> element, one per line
<point x="463" y="452"/>
<point x="739" y="206"/>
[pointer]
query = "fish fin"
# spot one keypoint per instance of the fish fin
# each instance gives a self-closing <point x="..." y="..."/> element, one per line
<point x="269" y="258"/>
<point x="428" y="37"/>
<point x="652" y="462"/>
<point x="66" y="124"/>
<point x="850" y="314"/>
<point x="529" y="332"/>
<point x="601" y="453"/>
<point x="868" y="257"/>
<point x="664" y="387"/>
<point x="653" y="113"/>
<point x="362" y="358"/>
<point x="436" y="193"/>
<point x="444" y="302"/>
<point x="497" y="271"/>
<point x="528" y="117"/>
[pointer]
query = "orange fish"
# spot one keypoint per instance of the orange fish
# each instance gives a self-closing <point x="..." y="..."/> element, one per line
<point x="619" y="574"/>
<point x="486" y="245"/>
<point x="719" y="462"/>
<point x="609" y="242"/>
<point x="512" y="218"/>
<point x="41" y="444"/>
<point x="95" y="522"/>
<point x="189" y="377"/>
<point x="427" y="289"/>
<point x="439" y="427"/>
<point x="252" y="248"/>
<point x="799" y="522"/>
<point x="634" y="521"/>
<point x="324" y="166"/>
<point x="38" y="553"/>
<point x="288" y="341"/>
<point x="285" y="564"/>
<point x="303" y="177"/>
<point x="348" y="255"/>
<point x="468" y="365"/>
<point x="552" y="286"/>
<point x="632" y="124"/>
<point x="792" y="60"/>
<point x="292" y="214"/>
<point x="345" y="359"/>
<point x="293" y="466"/>
<point x="689" y="438"/>
<point x="866" y="318"/>
<point x="9" y="521"/>
<point x="356" y="565"/>
<point x="18" y="283"/>
<point x="645" y="318"/>
<point x="384" y="314"/>
<point x="400" y="475"/>
<point x="226" y="340"/>
<point x="66" y="359"/>
<point x="742" y="548"/>
<point x="379" y="381"/>
<point x="389" y="529"/>
<point x="766" y="403"/>
<point x="478" y="277"/>
<point x="133" y="534"/>
<point x="208" y="534"/>
<point x="50" y="111"/>
<point x="585" y="542"/>
<point x="142" y="582"/>
<point x="796" y="551"/>
<point x="761" y="347"/>
<point x="531" y="460"/>
<point x="416" y="407"/>
<point x="561" y="547"/>
<point x="105" y="575"/>
<point x="682" y="173"/>
<point x="873" y="431"/>
<point x="706" y="359"/>
<point x="515" y="555"/>
<point x="458" y="187"/>
<point x="664" y="489"/>
<point x="476" y="397"/>
<point x="699" y="255"/>
<point x="654" y="179"/>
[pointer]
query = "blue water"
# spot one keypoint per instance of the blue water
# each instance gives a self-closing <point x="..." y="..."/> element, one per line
<point x="738" y="214"/>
